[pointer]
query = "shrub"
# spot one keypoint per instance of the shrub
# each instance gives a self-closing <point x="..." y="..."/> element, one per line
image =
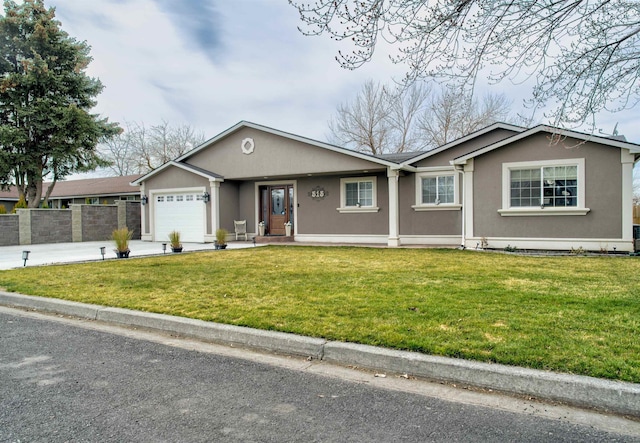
<point x="22" y="204"/>
<point x="3" y="210"/>
<point x="174" y="238"/>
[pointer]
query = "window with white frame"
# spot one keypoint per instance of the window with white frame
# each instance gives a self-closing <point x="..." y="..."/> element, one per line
<point x="358" y="194"/>
<point x="437" y="190"/>
<point x="550" y="187"/>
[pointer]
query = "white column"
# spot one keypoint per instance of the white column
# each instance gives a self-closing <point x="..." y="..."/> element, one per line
<point x="394" y="231"/>
<point x="215" y="206"/>
<point x="626" y="159"/>
<point x="144" y="232"/>
<point x="468" y="200"/>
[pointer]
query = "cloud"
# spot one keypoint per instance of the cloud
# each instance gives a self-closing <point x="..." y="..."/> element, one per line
<point x="198" y="21"/>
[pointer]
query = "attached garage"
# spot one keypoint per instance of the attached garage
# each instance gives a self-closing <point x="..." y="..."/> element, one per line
<point x="179" y="211"/>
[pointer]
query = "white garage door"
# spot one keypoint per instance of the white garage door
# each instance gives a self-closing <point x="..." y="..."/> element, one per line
<point x="180" y="211"/>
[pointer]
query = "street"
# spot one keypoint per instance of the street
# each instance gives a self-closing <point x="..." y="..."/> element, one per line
<point x="71" y="380"/>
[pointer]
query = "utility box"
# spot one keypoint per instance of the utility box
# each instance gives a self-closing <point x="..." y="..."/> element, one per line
<point x="636" y="238"/>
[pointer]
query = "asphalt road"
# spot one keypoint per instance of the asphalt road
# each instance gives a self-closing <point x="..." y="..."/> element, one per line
<point x="69" y="380"/>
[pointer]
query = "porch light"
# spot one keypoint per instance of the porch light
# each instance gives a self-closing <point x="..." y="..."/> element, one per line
<point x="144" y="200"/>
<point x="205" y="197"/>
<point x="25" y="257"/>
<point x="102" y="251"/>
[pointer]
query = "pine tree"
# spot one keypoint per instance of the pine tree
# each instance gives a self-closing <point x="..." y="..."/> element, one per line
<point x="46" y="128"/>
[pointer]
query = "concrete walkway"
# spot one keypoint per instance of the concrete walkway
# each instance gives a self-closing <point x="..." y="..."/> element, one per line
<point x="56" y="253"/>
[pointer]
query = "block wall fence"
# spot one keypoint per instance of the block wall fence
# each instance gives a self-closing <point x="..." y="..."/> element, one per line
<point x="77" y="224"/>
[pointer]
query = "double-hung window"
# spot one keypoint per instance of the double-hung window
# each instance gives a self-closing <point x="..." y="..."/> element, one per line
<point x="358" y="195"/>
<point x="543" y="188"/>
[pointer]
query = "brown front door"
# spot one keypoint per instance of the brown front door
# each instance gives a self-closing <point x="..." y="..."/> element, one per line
<point x="279" y="208"/>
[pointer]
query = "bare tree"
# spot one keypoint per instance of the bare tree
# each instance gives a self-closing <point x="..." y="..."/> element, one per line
<point x="140" y="149"/>
<point x="383" y="120"/>
<point x="363" y="124"/>
<point x="453" y="114"/>
<point x="584" y="55"/>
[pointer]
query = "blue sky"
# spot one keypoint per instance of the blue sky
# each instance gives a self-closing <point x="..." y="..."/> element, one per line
<point x="212" y="63"/>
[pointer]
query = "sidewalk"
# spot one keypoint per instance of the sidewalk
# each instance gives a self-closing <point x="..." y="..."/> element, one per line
<point x="56" y="253"/>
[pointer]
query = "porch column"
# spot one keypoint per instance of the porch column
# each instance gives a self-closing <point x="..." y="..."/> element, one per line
<point x="215" y="206"/>
<point x="144" y="233"/>
<point x="626" y="158"/>
<point x="393" y="176"/>
<point x="467" y="202"/>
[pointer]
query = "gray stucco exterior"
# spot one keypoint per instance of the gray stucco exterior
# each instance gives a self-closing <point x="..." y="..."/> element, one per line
<point x="243" y="172"/>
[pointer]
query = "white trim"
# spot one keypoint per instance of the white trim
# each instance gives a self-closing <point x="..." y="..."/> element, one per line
<point x="214" y="201"/>
<point x="245" y="124"/>
<point x="632" y="147"/>
<point x="468" y="198"/>
<point x="339" y="238"/>
<point x="394" y="204"/>
<point x="183" y="166"/>
<point x="358" y="209"/>
<point x="431" y="240"/>
<point x="447" y="171"/>
<point x="461" y="140"/>
<point x="545" y="211"/>
<point x="508" y="210"/>
<point x="143" y="210"/>
<point x="557" y="244"/>
<point x="440" y="207"/>
<point x="627" y="160"/>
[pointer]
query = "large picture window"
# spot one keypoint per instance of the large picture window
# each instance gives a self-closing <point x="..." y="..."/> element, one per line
<point x="358" y="194"/>
<point x="550" y="187"/>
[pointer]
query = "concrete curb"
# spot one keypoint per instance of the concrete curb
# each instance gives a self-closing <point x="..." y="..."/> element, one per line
<point x="613" y="396"/>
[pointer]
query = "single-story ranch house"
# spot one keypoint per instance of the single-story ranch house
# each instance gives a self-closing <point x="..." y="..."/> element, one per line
<point x="538" y="188"/>
<point x="92" y="191"/>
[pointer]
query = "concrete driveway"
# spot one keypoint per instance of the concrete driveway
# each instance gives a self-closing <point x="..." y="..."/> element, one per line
<point x="52" y="253"/>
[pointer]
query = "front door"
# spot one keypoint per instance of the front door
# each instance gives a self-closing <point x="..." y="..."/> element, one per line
<point x="278" y="203"/>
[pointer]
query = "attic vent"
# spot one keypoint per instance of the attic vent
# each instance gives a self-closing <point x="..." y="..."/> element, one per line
<point x="247" y="146"/>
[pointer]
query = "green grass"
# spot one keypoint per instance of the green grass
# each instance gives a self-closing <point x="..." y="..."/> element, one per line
<point x="572" y="314"/>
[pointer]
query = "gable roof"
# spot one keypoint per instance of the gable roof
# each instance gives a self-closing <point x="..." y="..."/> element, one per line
<point x="478" y="133"/>
<point x="181" y="161"/>
<point x="186" y="166"/>
<point x="632" y="147"/>
<point x="101" y="186"/>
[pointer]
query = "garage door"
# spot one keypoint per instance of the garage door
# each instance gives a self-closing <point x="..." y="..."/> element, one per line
<point x="177" y="211"/>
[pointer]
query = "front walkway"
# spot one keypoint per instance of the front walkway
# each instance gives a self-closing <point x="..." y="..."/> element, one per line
<point x="52" y="253"/>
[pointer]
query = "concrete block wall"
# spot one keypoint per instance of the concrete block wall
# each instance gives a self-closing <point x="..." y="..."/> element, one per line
<point x="132" y="217"/>
<point x="9" y="229"/>
<point x="49" y="226"/>
<point x="98" y="221"/>
<point x="77" y="224"/>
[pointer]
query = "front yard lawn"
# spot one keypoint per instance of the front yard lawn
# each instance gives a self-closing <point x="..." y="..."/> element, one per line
<point x="571" y="314"/>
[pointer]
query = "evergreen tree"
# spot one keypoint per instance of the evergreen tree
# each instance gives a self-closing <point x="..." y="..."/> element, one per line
<point x="46" y="128"/>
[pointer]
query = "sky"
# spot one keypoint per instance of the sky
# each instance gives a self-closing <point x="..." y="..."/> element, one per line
<point x="213" y="63"/>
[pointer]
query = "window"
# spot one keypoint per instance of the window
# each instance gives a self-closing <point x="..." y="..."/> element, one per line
<point x="189" y="197"/>
<point x="437" y="190"/>
<point x="543" y="188"/>
<point x="358" y="195"/>
<point x="179" y="198"/>
<point x="169" y="198"/>
<point x="160" y="199"/>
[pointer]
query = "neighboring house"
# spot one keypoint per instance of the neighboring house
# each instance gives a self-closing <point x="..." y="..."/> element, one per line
<point x="87" y="191"/>
<point x="503" y="185"/>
